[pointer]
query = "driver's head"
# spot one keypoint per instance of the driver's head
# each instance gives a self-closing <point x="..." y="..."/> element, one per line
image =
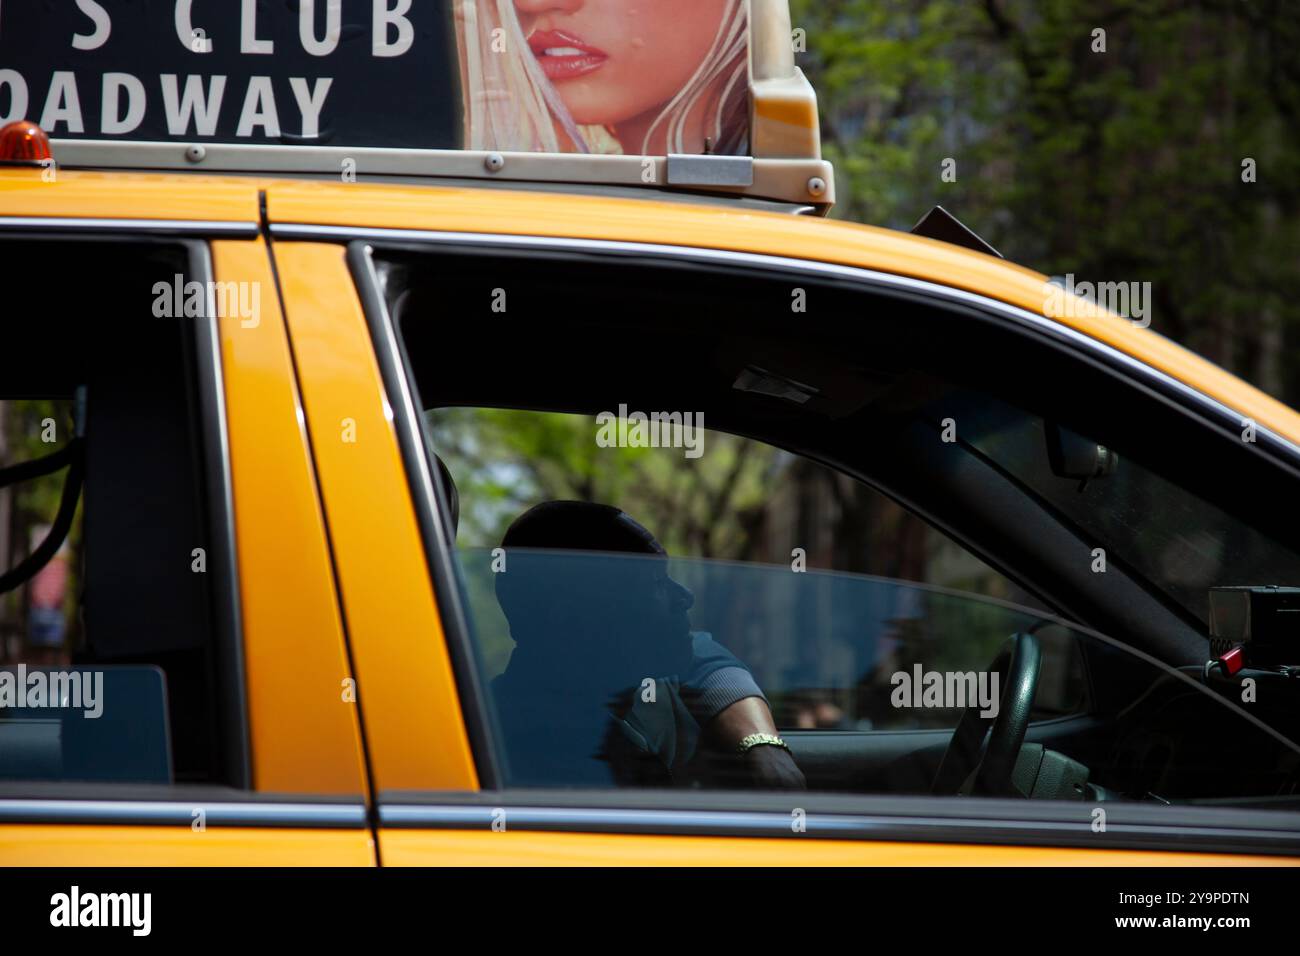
<point x="587" y="585"/>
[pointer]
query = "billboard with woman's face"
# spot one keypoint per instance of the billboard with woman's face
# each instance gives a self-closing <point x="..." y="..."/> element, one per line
<point x="646" y="77"/>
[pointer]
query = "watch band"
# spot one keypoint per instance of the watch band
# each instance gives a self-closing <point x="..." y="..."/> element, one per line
<point x="757" y="740"/>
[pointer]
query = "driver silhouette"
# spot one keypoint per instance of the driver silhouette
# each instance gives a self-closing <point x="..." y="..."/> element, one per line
<point x="607" y="683"/>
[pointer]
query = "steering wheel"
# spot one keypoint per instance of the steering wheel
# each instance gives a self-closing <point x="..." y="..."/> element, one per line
<point x="970" y="766"/>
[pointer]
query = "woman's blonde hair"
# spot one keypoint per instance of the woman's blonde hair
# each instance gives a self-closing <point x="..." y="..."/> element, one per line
<point x="510" y="104"/>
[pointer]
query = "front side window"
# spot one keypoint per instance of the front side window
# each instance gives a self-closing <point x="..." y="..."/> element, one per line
<point x="763" y="602"/>
<point x="822" y="585"/>
<point x="612" y="659"/>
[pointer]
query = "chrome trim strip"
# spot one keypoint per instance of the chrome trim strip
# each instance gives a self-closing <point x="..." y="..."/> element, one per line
<point x="1228" y="416"/>
<point x="175" y="813"/>
<point x="167" y="227"/>
<point x="840" y="826"/>
<point x="233" y="698"/>
<point x="690" y="170"/>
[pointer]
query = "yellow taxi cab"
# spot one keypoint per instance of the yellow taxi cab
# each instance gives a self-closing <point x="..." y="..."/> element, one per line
<point x="421" y="499"/>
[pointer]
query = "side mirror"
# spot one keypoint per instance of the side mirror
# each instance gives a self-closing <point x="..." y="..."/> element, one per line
<point x="1070" y="455"/>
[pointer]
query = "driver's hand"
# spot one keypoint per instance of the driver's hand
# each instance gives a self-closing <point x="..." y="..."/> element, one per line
<point x="773" y="768"/>
<point x="766" y="766"/>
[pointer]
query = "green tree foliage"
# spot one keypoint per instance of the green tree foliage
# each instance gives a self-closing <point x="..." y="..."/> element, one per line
<point x="505" y="460"/>
<point x="1122" y="164"/>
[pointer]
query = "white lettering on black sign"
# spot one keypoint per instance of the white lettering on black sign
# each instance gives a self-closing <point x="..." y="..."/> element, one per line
<point x="319" y="72"/>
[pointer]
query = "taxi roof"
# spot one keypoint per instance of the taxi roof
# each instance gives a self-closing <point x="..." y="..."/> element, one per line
<point x="201" y="201"/>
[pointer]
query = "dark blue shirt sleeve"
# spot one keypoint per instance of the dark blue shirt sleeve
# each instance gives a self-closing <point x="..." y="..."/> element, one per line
<point x="717" y="679"/>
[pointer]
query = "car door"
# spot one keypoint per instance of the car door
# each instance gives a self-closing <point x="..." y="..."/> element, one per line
<point x="435" y="312"/>
<point x="185" y="598"/>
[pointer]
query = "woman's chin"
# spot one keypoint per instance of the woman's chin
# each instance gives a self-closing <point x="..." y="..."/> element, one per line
<point x="589" y="106"/>
<point x="584" y="115"/>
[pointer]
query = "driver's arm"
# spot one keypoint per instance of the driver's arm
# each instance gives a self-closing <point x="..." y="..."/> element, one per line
<point x="769" y="766"/>
<point x="729" y="706"/>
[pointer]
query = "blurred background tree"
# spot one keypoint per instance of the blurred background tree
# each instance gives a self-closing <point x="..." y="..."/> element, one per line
<point x="504" y="461"/>
<point x="1114" y="155"/>
<point x="742" y="500"/>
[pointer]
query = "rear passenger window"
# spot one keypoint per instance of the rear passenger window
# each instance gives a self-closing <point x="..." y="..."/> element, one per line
<point x="113" y="649"/>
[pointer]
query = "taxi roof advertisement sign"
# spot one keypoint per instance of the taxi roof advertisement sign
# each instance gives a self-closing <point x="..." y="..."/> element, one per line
<point x="585" y="76"/>
<point x="232" y="71"/>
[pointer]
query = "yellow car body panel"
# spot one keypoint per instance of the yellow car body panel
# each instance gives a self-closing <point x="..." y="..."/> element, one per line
<point x="25" y="192"/>
<point x="82" y="845"/>
<point x="461" y="848"/>
<point x="415" y="731"/>
<point x="306" y="737"/>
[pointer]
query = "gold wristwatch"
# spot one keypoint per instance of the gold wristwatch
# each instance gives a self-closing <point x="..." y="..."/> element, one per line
<point x="756" y="740"/>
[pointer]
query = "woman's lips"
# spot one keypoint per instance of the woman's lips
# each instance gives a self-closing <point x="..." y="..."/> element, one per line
<point x="564" y="56"/>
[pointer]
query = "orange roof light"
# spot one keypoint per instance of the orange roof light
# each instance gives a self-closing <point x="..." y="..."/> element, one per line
<point x="23" y="143"/>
